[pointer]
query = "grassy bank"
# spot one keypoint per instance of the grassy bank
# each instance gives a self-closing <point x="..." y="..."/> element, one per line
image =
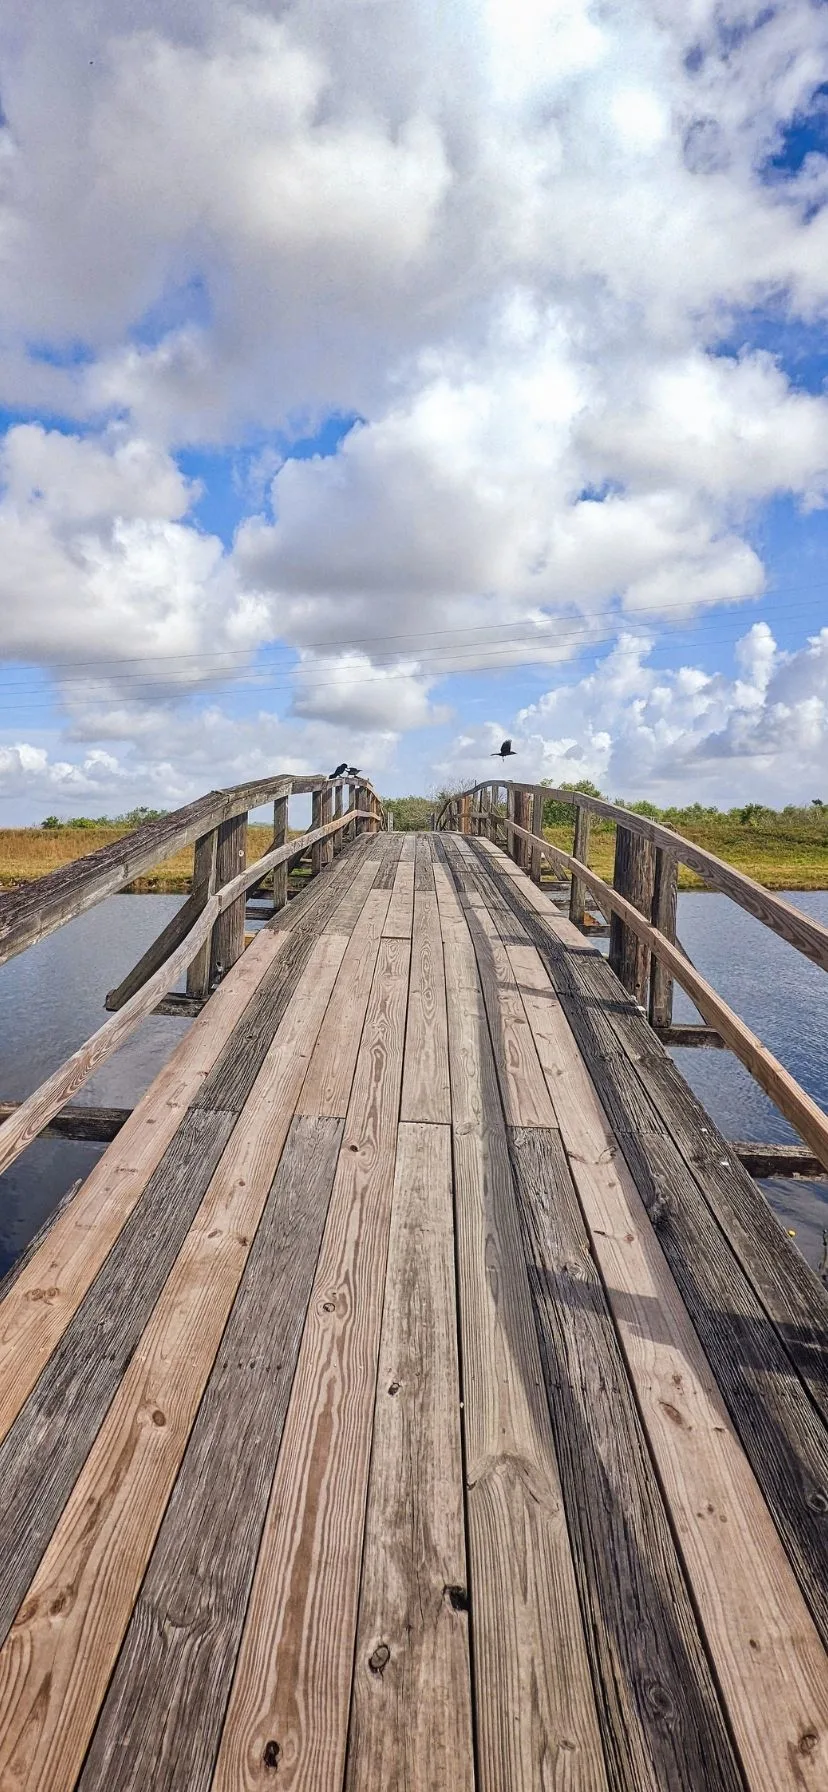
<point x="32" y="852"/>
<point x="785" y="851"/>
<point x="781" y="859"/>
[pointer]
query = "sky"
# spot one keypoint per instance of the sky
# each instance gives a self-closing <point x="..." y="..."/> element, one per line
<point x="379" y="378"/>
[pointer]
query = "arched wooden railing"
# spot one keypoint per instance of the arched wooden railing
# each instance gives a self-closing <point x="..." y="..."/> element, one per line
<point x="206" y="935"/>
<point x="640" y="906"/>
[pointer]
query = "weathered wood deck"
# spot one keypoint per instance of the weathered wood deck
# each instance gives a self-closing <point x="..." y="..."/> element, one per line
<point x="418" y="1393"/>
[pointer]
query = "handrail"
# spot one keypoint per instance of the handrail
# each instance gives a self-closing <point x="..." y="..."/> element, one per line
<point x="777" y="1082"/>
<point x="37" y="908"/>
<point x="807" y="935"/>
<point x="37" y="1110"/>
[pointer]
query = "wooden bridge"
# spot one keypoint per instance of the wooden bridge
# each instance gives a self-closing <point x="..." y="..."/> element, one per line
<point x="419" y="1393"/>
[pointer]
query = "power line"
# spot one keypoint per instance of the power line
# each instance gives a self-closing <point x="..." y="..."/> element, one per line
<point x="254" y="681"/>
<point x="621" y="618"/>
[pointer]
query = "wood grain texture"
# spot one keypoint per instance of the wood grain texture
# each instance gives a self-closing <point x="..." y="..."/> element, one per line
<point x="57" y="1660"/>
<point x="782" y="1434"/>
<point x="44" y="1451"/>
<point x="344" y="916"/>
<point x="633" y="878"/>
<point x="535" y="1710"/>
<point x="523" y="1088"/>
<point x="399" y="920"/>
<point x="162" y="1717"/>
<point x="78" y="1122"/>
<point x="426" y="1094"/>
<point x="808" y="936"/>
<point x="291" y="1693"/>
<point x="423" y="862"/>
<point x="661" y="1720"/>
<point x="777" y="1082"/>
<point x="227" y="943"/>
<point x="768" y="1658"/>
<point x="411" y="1711"/>
<point x="40" y="1305"/>
<point x="327" y="1086"/>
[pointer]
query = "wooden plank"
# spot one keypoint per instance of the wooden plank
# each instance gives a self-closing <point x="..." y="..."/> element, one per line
<point x="660" y="1716"/>
<point x="163" y="1712"/>
<point x="327" y="1086"/>
<point x="762" y="1640"/>
<point x="423" y="862"/>
<point x="291" y="1693"/>
<point x="411" y="1712"/>
<point x="693" y="1037"/>
<point x="343" y="918"/>
<point x="426" y="1093"/>
<point x="44" y="1450"/>
<point x="763" y="1160"/>
<point x="399" y="920"/>
<point x="523" y="1088"/>
<point x="205" y="856"/>
<point x="807" y="935"/>
<point x="535" y="1709"/>
<point x="388" y="848"/>
<point x="37" y="1310"/>
<point x="783" y="1437"/>
<point x="777" y="1082"/>
<point x="57" y="1659"/>
<point x="408" y="850"/>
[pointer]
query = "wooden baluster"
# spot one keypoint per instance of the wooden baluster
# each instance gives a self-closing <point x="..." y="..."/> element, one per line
<point x="280" y="831"/>
<point x="578" y="893"/>
<point x="665" y="900"/>
<point x="321" y="853"/>
<point x="464" y="815"/>
<point x="337" y="839"/>
<point x="316" y="817"/>
<point x="204" y="885"/>
<point x="537" y="828"/>
<point x="228" y="933"/>
<point x="634" y="878"/>
<point x="511" y="837"/>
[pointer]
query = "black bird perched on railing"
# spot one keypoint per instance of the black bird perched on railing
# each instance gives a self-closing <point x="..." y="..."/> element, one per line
<point x="339" y="770"/>
<point x="354" y="771"/>
<point x="505" y="751"/>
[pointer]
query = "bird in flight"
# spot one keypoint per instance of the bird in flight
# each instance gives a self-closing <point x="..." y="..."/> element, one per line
<point x="339" y="770"/>
<point x="505" y="751"/>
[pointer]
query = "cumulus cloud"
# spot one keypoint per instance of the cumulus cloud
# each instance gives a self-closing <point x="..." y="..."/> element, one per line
<point x="679" y="734"/>
<point x="509" y="240"/>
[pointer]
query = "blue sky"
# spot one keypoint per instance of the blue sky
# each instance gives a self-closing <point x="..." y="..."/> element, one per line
<point x="377" y="381"/>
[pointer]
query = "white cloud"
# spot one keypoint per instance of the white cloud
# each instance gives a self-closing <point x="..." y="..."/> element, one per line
<point x="508" y="238"/>
<point x="679" y="735"/>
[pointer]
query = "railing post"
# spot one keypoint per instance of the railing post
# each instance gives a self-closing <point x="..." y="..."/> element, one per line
<point x="523" y="815"/>
<point x="537" y="828"/>
<point x="511" y="837"/>
<point x="321" y="852"/>
<point x="578" y="893"/>
<point x="665" y="900"/>
<point x="633" y="878"/>
<point x="279" y="879"/>
<point x="465" y="805"/>
<point x="228" y="933"/>
<point x="337" y="839"/>
<point x="204" y="885"/>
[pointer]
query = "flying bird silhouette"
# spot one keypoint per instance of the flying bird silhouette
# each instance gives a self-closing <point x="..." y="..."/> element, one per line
<point x="339" y="770"/>
<point x="505" y="751"/>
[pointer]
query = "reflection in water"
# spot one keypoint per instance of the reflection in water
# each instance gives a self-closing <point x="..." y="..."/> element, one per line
<point x="51" y="999"/>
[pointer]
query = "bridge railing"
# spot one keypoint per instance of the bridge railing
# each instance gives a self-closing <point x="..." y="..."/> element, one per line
<point x="205" y="937"/>
<point x="640" y="907"/>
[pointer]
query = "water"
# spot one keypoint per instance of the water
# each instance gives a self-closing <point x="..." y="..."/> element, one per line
<point x="51" y="999"/>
